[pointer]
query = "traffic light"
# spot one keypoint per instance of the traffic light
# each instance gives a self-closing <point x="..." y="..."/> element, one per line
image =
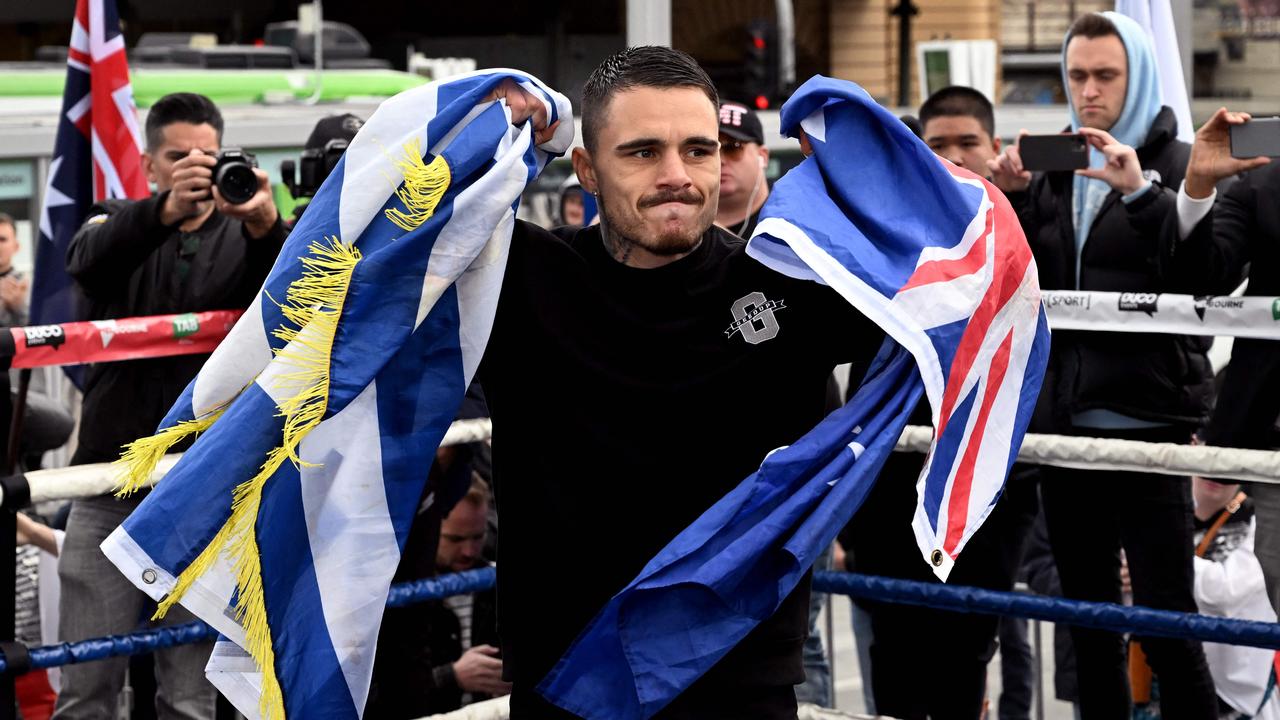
<point x="760" y="68"/>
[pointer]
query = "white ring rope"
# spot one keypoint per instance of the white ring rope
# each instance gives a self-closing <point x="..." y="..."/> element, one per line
<point x="86" y="481"/>
<point x="1085" y="453"/>
<point x="1249" y="316"/>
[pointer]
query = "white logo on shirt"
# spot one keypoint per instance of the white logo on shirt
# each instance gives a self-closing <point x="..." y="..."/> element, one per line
<point x="754" y="317"/>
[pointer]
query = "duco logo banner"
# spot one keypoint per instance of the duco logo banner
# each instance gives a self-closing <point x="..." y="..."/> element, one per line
<point x="45" y="335"/>
<point x="1140" y="302"/>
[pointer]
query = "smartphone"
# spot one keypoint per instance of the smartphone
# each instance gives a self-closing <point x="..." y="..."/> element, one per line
<point x="1054" y="153"/>
<point x="1259" y="136"/>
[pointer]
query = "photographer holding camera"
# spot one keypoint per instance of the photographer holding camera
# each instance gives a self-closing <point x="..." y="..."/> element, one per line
<point x="325" y="146"/>
<point x="205" y="241"/>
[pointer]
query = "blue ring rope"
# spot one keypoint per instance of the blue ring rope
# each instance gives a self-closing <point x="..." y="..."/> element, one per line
<point x="1102" y="616"/>
<point x="198" y="631"/>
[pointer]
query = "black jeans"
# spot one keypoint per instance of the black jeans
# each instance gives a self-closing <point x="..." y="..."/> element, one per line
<point x="1091" y="515"/>
<point x="1017" y="670"/>
<point x="929" y="663"/>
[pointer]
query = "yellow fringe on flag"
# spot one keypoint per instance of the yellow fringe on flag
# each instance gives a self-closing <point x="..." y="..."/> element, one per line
<point x="424" y="186"/>
<point x="313" y="304"/>
<point x="140" y="457"/>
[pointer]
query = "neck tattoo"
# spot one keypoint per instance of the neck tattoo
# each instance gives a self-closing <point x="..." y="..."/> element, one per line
<point x="618" y="247"/>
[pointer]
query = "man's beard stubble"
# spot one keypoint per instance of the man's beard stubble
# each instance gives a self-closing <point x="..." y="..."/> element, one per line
<point x="621" y="238"/>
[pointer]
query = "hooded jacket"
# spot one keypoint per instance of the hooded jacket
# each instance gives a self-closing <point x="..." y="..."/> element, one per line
<point x="1107" y="243"/>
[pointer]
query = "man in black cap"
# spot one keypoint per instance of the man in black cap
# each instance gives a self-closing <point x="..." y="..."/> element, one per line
<point x="743" y="159"/>
<point x="325" y="146"/>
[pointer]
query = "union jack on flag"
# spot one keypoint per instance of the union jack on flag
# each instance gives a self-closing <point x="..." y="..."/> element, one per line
<point x="935" y="256"/>
<point x="97" y="153"/>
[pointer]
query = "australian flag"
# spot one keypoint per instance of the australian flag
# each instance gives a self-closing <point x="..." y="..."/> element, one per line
<point x="97" y="153"/>
<point x="936" y="257"/>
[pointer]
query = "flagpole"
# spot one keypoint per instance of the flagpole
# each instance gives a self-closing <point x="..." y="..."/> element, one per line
<point x="318" y="55"/>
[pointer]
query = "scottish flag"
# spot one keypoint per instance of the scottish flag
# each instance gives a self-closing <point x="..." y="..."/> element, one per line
<point x="320" y="414"/>
<point x="935" y="256"/>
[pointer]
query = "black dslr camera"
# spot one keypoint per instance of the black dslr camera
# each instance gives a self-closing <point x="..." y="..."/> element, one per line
<point x="234" y="176"/>
<point x="306" y="176"/>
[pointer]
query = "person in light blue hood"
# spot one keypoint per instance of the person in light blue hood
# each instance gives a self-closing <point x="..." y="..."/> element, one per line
<point x="1099" y="229"/>
<point x="1094" y="108"/>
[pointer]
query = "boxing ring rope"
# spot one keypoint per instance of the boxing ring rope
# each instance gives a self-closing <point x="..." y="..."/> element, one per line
<point x="83" y="481"/>
<point x="1088" y="453"/>
<point x="197" y="631"/>
<point x="1112" y="312"/>
<point x="1103" y="616"/>
<point x="97" y="479"/>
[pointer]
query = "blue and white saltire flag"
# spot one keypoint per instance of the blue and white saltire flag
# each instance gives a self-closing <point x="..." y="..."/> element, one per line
<point x="936" y="257"/>
<point x="1156" y="17"/>
<point x="321" y="412"/>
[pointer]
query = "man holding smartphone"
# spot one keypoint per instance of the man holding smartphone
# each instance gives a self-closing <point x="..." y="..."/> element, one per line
<point x="1099" y="229"/>
<point x="1209" y="243"/>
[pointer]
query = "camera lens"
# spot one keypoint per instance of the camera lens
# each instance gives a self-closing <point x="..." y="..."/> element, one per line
<point x="237" y="182"/>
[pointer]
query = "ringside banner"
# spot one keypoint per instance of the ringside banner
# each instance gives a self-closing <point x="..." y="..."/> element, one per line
<point x="110" y="340"/>
<point x="1249" y="316"/>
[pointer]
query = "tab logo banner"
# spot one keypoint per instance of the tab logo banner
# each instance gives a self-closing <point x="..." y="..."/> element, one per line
<point x="186" y="325"/>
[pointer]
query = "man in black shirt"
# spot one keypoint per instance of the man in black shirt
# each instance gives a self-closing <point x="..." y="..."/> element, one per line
<point x="1212" y="240"/>
<point x="672" y="361"/>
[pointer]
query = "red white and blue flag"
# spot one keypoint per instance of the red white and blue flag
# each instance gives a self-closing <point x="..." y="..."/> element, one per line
<point x="97" y="154"/>
<point x="936" y="257"/>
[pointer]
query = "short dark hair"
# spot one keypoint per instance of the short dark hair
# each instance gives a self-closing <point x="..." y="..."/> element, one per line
<point x="181" y="107"/>
<point x="961" y="101"/>
<point x="644" y="66"/>
<point x="1093" y="25"/>
<point x="7" y="219"/>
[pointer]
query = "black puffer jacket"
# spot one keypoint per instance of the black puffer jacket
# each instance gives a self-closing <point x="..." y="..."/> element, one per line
<point x="1165" y="378"/>
<point x="1242" y="231"/>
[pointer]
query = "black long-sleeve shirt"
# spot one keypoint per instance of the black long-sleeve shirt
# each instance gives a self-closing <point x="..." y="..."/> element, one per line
<point x="1242" y="232"/>
<point x="625" y="402"/>
<point x="128" y="264"/>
